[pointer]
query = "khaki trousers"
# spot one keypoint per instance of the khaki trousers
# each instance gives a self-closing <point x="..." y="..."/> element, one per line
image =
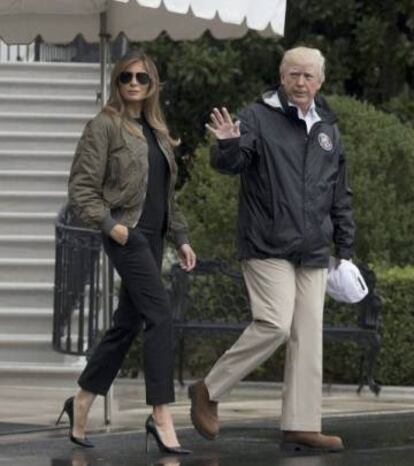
<point x="287" y="306"/>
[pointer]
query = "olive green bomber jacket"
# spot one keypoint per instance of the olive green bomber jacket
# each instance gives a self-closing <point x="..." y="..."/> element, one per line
<point x="109" y="177"/>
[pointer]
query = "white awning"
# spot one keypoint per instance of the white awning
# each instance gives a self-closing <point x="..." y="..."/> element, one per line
<point x="59" y="21"/>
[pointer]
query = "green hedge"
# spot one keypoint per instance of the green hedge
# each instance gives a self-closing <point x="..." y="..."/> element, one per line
<point x="397" y="355"/>
<point x="380" y="151"/>
<point x="209" y="201"/>
<point x="396" y="360"/>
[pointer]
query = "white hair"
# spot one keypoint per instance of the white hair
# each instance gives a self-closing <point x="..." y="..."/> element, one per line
<point x="302" y="55"/>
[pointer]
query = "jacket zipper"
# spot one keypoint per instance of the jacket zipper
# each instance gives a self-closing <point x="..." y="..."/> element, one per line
<point x="305" y="230"/>
<point x="304" y="197"/>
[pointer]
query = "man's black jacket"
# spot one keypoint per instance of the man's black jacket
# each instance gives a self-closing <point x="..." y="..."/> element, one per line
<point x="294" y="198"/>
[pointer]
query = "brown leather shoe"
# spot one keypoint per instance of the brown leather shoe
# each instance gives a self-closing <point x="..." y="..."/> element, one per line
<point x="203" y="411"/>
<point x="310" y="441"/>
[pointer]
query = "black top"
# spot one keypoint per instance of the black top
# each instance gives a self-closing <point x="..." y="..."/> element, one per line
<point x="155" y="207"/>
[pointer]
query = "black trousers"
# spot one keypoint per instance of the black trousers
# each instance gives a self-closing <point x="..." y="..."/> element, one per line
<point x="143" y="301"/>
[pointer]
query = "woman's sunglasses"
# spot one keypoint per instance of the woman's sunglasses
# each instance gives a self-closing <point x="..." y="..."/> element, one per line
<point x="142" y="78"/>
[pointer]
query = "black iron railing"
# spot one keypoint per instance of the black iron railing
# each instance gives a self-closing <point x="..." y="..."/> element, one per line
<point x="78" y="50"/>
<point x="78" y="315"/>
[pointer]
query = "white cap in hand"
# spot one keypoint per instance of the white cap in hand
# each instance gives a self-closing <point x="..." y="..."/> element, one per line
<point x="345" y="282"/>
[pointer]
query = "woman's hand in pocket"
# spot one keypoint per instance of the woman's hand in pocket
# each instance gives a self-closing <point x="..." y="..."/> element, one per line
<point x="119" y="233"/>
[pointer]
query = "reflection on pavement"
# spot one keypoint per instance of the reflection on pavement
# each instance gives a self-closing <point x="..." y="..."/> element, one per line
<point x="78" y="458"/>
<point x="81" y="458"/>
<point x="176" y="461"/>
<point x="309" y="460"/>
<point x="294" y="460"/>
<point x="166" y="461"/>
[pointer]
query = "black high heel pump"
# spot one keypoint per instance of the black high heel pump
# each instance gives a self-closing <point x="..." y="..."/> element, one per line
<point x="151" y="428"/>
<point x="68" y="409"/>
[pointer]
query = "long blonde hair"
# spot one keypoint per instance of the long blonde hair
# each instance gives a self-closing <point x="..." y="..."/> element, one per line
<point x="151" y="105"/>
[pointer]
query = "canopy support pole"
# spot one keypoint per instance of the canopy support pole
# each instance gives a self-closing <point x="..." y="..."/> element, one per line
<point x="104" y="42"/>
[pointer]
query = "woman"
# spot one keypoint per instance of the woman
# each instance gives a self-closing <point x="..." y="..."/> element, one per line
<point x="122" y="182"/>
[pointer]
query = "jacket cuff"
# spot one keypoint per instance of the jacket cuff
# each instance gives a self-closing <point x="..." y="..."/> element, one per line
<point x="107" y="224"/>
<point x="180" y="238"/>
<point x="226" y="143"/>
<point x="343" y="253"/>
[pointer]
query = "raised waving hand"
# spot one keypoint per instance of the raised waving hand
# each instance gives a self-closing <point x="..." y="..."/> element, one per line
<point x="222" y="126"/>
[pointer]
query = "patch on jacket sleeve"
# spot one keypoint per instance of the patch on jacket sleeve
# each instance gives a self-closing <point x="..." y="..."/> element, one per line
<point x="325" y="142"/>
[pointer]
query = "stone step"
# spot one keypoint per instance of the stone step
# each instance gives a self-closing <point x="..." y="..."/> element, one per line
<point x="49" y="70"/>
<point x="33" y="223"/>
<point x="28" y="348"/>
<point x="36" y="321"/>
<point x="29" y="294"/>
<point x="27" y="246"/>
<point x="43" y="122"/>
<point x="63" y="374"/>
<point x="46" y="86"/>
<point x="35" y="201"/>
<point x="48" y="140"/>
<point x="43" y="110"/>
<point x="33" y="320"/>
<point x="33" y="180"/>
<point x="55" y="104"/>
<point x="35" y="160"/>
<point x="21" y="270"/>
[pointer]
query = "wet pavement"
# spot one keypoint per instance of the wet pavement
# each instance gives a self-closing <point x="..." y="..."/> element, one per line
<point x="377" y="430"/>
<point x="379" y="440"/>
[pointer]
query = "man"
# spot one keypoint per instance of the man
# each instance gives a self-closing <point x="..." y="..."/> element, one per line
<point x="294" y="201"/>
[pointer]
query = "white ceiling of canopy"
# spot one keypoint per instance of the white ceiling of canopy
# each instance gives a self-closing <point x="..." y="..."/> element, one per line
<point x="60" y="21"/>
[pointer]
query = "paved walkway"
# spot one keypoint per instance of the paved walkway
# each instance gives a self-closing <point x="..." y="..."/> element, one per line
<point x="378" y="431"/>
<point x="39" y="406"/>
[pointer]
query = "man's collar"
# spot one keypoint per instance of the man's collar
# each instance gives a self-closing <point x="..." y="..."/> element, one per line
<point x="276" y="98"/>
<point x="311" y="110"/>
